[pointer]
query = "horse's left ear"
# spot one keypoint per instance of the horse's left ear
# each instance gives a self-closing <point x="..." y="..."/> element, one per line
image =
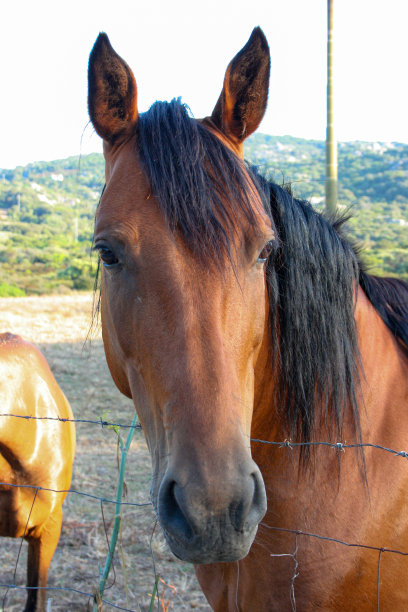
<point x="242" y="103"/>
<point x="112" y="92"/>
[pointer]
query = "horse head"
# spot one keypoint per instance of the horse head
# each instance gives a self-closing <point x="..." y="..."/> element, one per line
<point x="183" y="237"/>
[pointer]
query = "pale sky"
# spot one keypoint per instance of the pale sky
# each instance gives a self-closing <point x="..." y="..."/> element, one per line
<point x="182" y="48"/>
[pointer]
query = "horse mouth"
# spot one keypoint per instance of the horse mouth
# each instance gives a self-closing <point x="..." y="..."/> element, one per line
<point x="212" y="547"/>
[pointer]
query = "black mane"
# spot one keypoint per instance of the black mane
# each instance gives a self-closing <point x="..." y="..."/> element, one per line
<point x="312" y="275"/>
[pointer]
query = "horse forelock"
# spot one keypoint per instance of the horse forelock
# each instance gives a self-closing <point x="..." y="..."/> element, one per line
<point x="204" y="190"/>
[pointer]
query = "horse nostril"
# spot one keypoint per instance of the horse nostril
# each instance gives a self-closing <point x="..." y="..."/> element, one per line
<point x="171" y="515"/>
<point x="251" y="508"/>
<point x="190" y="512"/>
<point x="258" y="508"/>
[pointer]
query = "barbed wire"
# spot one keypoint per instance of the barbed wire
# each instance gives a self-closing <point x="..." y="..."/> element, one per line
<point x="341" y="446"/>
<point x="100" y="422"/>
<point x="96" y="497"/>
<point x="299" y="532"/>
<point x="288" y="444"/>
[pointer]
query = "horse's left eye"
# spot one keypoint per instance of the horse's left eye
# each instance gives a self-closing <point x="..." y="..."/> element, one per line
<point x="107" y="256"/>
<point x="266" y="251"/>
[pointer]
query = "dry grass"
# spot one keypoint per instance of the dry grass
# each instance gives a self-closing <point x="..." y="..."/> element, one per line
<point x="59" y="326"/>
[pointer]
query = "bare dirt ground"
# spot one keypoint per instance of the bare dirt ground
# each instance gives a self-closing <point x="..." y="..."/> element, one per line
<point x="59" y="326"/>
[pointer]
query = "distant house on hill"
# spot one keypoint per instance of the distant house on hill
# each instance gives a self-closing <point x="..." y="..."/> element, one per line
<point x="399" y="221"/>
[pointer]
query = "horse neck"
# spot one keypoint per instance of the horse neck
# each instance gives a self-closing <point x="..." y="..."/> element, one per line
<point x="382" y="388"/>
<point x="264" y="425"/>
<point x="384" y="379"/>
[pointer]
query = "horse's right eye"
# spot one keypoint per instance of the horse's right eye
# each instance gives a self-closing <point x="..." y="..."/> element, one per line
<point x="266" y="251"/>
<point x="107" y="256"/>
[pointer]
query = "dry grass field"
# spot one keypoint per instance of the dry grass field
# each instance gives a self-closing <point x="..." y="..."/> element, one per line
<point x="59" y="326"/>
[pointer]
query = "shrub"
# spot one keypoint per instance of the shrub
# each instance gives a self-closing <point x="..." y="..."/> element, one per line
<point x="7" y="290"/>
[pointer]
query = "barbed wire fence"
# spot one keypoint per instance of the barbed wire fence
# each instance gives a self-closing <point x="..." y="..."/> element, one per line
<point x="95" y="596"/>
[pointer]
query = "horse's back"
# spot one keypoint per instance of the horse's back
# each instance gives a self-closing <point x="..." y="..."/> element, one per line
<point x="27" y="384"/>
<point x="36" y="448"/>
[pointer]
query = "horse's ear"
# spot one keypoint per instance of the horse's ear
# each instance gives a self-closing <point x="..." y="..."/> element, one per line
<point x="242" y="103"/>
<point x="112" y="91"/>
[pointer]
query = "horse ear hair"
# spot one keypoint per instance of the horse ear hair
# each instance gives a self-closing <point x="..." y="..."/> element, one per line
<point x="242" y="103"/>
<point x="112" y="91"/>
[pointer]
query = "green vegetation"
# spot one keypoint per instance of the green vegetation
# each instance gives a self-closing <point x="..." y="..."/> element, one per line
<point x="372" y="186"/>
<point x="47" y="209"/>
<point x="7" y="290"/>
<point x="47" y="213"/>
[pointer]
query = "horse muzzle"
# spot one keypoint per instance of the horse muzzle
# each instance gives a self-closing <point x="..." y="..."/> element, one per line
<point x="213" y="522"/>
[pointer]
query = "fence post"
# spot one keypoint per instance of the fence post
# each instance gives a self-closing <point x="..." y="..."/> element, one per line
<point x="116" y="525"/>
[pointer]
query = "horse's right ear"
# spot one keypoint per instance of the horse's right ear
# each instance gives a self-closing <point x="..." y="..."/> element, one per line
<point x="112" y="92"/>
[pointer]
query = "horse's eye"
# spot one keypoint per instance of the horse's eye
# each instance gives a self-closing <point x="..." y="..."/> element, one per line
<point x="107" y="256"/>
<point x="266" y="251"/>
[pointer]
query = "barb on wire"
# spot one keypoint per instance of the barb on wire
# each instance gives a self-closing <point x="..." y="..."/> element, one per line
<point x="336" y="445"/>
<point x="286" y="443"/>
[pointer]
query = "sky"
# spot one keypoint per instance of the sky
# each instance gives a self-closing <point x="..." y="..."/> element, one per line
<point x="182" y="48"/>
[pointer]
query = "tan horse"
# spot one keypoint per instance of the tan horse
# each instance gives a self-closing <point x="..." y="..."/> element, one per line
<point x="230" y="311"/>
<point x="35" y="455"/>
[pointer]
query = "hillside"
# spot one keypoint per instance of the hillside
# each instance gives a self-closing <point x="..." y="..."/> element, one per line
<point x="373" y="186"/>
<point x="47" y="208"/>
<point x="47" y="213"/>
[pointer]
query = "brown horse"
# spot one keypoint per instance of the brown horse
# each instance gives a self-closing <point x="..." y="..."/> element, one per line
<point x="236" y="317"/>
<point x="35" y="455"/>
